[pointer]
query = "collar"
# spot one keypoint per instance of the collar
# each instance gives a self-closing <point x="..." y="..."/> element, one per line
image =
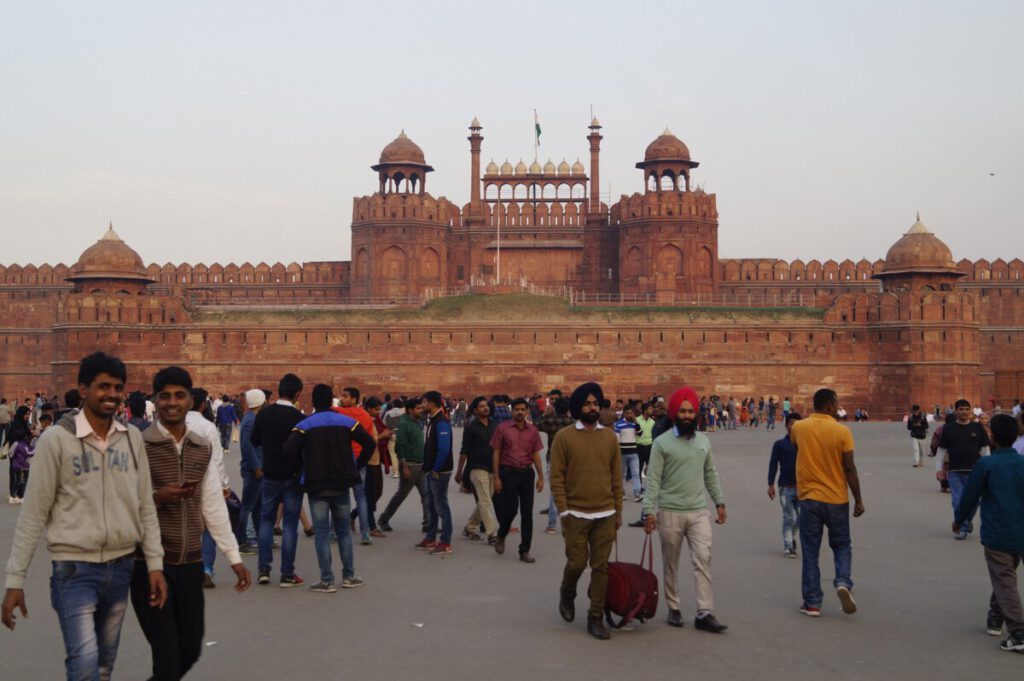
<point x="84" y="429"/>
<point x="285" y="403"/>
<point x="166" y="433"/>
<point x="580" y="426"/>
<point x="675" y="429"/>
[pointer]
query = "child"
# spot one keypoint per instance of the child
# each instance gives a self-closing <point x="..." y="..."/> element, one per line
<point x="22" y="451"/>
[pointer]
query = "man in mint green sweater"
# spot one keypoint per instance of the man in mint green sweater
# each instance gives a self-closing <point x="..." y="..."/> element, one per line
<point x="679" y="476"/>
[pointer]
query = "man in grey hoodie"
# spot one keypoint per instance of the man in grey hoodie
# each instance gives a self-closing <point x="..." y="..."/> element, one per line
<point x="90" y="491"/>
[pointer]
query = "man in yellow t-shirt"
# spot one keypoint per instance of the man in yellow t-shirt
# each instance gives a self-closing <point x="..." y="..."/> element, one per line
<point x="824" y="469"/>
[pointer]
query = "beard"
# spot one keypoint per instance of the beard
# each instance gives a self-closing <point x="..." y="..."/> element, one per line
<point x="590" y="417"/>
<point x="687" y="427"/>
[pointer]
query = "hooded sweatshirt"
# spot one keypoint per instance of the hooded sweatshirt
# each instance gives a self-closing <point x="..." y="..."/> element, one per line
<point x="95" y="506"/>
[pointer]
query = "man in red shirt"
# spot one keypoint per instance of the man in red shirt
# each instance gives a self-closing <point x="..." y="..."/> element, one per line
<point x="349" y="406"/>
<point x="517" y="447"/>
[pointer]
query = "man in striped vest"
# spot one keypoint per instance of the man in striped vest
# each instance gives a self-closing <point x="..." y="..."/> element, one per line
<point x="188" y="494"/>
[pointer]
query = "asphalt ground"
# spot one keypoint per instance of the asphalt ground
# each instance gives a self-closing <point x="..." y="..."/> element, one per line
<point x="473" y="614"/>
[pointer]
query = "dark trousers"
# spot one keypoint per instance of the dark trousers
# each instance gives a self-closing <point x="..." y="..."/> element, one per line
<point x="588" y="541"/>
<point x="174" y="632"/>
<point x="1005" y="603"/>
<point x="373" y="487"/>
<point x="12" y="481"/>
<point x="405" y="486"/>
<point x="644" y="452"/>
<point x="516" y="497"/>
<point x="225" y="435"/>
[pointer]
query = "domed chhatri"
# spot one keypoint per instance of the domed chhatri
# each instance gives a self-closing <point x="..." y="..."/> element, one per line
<point x="667" y="147"/>
<point x="492" y="168"/>
<point x="109" y="259"/>
<point x="402" y="150"/>
<point x="919" y="251"/>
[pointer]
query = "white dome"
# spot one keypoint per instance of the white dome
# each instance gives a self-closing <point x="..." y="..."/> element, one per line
<point x="578" y="169"/>
<point x="506" y="168"/>
<point x="563" y="168"/>
<point x="549" y="168"/>
<point x="521" y="168"/>
<point x="492" y="168"/>
<point x="535" y="168"/>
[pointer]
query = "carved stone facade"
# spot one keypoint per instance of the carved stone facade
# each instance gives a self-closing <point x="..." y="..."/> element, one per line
<point x="914" y="327"/>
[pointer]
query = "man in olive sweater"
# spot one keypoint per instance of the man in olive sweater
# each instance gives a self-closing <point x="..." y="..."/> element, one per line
<point x="681" y="472"/>
<point x="586" y="483"/>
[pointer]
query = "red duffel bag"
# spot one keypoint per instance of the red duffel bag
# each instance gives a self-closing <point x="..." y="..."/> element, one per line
<point x="632" y="589"/>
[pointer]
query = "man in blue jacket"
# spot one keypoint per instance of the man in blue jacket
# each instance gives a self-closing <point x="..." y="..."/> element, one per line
<point x="997" y="482"/>
<point x="437" y="469"/>
<point x="323" y="444"/>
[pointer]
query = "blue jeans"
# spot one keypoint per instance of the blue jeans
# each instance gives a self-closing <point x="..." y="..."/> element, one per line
<point x="790" y="515"/>
<point x="552" y="509"/>
<point x="362" y="508"/>
<point x="326" y="512"/>
<point x="90" y="600"/>
<point x="276" y="492"/>
<point x="209" y="552"/>
<point x="631" y="463"/>
<point x="815" y="516"/>
<point x="438" y="510"/>
<point x="957" y="481"/>
<point x="251" y="489"/>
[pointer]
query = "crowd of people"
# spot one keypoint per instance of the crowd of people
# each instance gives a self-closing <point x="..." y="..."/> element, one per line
<point x="134" y="499"/>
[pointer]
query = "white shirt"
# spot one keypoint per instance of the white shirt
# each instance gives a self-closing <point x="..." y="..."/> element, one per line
<point x="215" y="511"/>
<point x="198" y="424"/>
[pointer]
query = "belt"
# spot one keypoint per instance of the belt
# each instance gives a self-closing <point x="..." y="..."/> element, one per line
<point x="516" y="468"/>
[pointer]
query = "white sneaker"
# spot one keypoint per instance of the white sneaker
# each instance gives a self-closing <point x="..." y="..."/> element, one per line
<point x="12" y="500"/>
<point x="17" y="500"/>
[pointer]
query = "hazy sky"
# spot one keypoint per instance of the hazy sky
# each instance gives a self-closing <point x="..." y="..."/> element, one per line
<point x="232" y="131"/>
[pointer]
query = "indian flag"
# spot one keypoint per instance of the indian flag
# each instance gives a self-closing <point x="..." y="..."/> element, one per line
<point x="536" y="126"/>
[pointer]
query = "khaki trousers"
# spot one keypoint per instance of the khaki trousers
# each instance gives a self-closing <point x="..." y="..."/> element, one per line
<point x="588" y="540"/>
<point x="483" y="485"/>
<point x="695" y="527"/>
<point x="392" y="452"/>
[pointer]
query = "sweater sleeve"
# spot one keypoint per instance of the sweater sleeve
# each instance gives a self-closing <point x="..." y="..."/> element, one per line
<point x="773" y="464"/>
<point x="616" y="471"/>
<point x="654" y="471"/>
<point x="557" y="466"/>
<point x="39" y="497"/>
<point x="444" y="445"/>
<point x="711" y="481"/>
<point x="215" y="515"/>
<point x="971" y="496"/>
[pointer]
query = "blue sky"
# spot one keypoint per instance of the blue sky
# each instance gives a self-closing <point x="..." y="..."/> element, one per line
<point x="233" y="131"/>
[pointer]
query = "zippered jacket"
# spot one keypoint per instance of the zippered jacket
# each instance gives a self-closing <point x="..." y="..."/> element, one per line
<point x="93" y="506"/>
<point x="323" y="444"/>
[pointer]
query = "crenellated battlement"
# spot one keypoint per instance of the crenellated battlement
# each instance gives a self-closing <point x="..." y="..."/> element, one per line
<point x="666" y="204"/>
<point x="396" y="207"/>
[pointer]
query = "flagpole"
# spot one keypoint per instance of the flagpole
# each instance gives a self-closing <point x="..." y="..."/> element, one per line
<point x="497" y="258"/>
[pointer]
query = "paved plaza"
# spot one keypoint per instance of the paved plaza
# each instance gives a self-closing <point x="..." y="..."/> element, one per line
<point x="922" y="598"/>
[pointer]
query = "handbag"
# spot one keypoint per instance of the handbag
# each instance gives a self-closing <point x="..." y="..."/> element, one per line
<point x="632" y="588"/>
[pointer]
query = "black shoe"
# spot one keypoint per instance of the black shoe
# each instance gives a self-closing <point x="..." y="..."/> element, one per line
<point x="567" y="607"/>
<point x="638" y="523"/>
<point x="526" y="557"/>
<point x="542" y="511"/>
<point x="383" y="525"/>
<point x="596" y="628"/>
<point x="709" y="623"/>
<point x="499" y="545"/>
<point x="994" y="624"/>
<point x="675" y="618"/>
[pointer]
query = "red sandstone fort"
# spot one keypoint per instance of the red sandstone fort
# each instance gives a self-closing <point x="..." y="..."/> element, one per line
<point x="634" y="295"/>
